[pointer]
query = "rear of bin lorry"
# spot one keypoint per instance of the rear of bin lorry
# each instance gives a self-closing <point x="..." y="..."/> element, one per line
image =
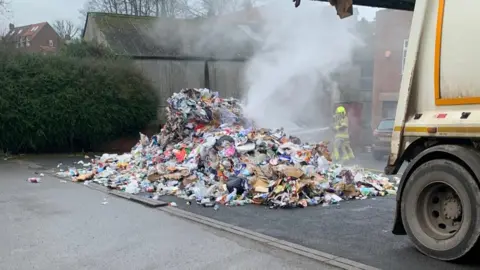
<point x="437" y="129"/>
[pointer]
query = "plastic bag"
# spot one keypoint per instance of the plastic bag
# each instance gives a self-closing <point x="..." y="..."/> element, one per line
<point x="236" y="183"/>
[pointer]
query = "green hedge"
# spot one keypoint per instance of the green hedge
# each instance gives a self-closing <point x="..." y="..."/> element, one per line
<point x="60" y="104"/>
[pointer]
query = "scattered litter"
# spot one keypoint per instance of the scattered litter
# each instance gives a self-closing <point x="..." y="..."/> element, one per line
<point x="34" y="180"/>
<point x="63" y="181"/>
<point x="84" y="164"/>
<point x="83" y="177"/>
<point x="173" y="204"/>
<point x="105" y="201"/>
<point x="208" y="152"/>
<point x="397" y="180"/>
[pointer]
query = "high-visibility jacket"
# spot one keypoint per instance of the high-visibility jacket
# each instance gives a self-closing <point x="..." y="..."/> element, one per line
<point x="341" y="127"/>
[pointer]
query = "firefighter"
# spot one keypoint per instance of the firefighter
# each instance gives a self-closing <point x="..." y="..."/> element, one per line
<point x="342" y="139"/>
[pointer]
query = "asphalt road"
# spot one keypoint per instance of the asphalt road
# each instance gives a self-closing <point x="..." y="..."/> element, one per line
<point x="55" y="225"/>
<point x="357" y="230"/>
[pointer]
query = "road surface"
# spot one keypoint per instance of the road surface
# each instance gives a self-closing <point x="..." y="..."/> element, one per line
<point x="357" y="230"/>
<point x="55" y="225"/>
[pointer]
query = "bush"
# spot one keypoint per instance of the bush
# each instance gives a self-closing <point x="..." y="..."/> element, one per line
<point x="83" y="49"/>
<point x="58" y="104"/>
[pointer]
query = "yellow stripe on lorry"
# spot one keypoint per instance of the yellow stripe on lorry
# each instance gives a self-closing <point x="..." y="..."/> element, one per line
<point x="440" y="129"/>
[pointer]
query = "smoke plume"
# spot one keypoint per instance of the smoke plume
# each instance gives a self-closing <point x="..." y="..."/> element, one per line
<point x="289" y="78"/>
<point x="288" y="81"/>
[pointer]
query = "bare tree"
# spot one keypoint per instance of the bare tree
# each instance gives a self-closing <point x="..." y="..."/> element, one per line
<point x="3" y="6"/>
<point x="3" y="10"/>
<point x="164" y="8"/>
<point x="210" y="8"/>
<point x="167" y="8"/>
<point x="3" y="33"/>
<point x="65" y="28"/>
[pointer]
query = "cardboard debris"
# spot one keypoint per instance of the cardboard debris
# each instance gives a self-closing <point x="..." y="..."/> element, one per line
<point x="209" y="153"/>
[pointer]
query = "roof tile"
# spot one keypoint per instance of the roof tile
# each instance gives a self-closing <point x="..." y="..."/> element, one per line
<point x="26" y="30"/>
<point x="156" y="37"/>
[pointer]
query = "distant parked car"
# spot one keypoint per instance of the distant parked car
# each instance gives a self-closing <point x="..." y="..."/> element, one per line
<point x="382" y="137"/>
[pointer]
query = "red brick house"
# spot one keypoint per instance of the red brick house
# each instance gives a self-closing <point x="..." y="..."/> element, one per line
<point x="392" y="28"/>
<point x="33" y="38"/>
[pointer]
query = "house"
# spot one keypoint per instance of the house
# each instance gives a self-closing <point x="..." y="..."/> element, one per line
<point x="391" y="39"/>
<point x="33" y="38"/>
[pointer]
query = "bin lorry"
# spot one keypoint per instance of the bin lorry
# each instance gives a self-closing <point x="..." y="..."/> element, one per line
<point x="437" y="127"/>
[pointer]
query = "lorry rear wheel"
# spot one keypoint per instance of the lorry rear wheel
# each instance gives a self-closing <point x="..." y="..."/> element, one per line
<point x="440" y="210"/>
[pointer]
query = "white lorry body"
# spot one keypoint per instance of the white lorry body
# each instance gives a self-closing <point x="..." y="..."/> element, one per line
<point x="437" y="127"/>
<point x="441" y="78"/>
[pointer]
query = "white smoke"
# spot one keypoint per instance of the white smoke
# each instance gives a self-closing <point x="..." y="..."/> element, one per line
<point x="289" y="78"/>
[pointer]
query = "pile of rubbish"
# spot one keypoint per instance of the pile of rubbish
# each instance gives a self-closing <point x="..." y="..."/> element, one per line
<point x="209" y="153"/>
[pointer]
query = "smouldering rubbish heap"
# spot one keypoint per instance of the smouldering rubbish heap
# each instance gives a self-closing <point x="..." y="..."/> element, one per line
<point x="208" y="152"/>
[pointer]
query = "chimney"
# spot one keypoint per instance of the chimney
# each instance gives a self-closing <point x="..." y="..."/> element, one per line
<point x="67" y="40"/>
<point x="11" y="26"/>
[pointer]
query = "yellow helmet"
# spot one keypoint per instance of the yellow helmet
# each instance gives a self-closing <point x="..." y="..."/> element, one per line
<point x="340" y="110"/>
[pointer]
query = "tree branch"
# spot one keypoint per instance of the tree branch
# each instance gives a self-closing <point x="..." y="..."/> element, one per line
<point x="4" y="6"/>
<point x="65" y="28"/>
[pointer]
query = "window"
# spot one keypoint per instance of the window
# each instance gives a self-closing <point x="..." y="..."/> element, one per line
<point x="386" y="124"/>
<point x="50" y="43"/>
<point x="35" y="28"/>
<point x="366" y="69"/>
<point x="22" y="42"/>
<point x="404" y="53"/>
<point x="389" y="108"/>
<point x="20" y="31"/>
<point x="28" y="42"/>
<point x="366" y="84"/>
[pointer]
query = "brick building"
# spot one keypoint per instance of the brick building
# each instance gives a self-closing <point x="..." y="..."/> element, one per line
<point x="392" y="28"/>
<point x="33" y="38"/>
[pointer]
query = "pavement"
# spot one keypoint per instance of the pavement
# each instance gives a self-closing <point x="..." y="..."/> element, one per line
<point x="56" y="225"/>
<point x="357" y="230"/>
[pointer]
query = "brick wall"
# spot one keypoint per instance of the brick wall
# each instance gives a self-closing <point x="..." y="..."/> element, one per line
<point x="392" y="27"/>
<point x="43" y="38"/>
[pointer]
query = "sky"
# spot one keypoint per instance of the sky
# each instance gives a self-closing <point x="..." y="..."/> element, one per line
<point x="24" y="12"/>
